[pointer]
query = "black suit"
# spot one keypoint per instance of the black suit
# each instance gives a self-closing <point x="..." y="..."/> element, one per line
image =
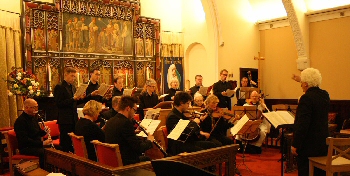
<point x="67" y="113"/>
<point x="120" y="130"/>
<point x="311" y="127"/>
<point x="194" y="142"/>
<point x="220" y="86"/>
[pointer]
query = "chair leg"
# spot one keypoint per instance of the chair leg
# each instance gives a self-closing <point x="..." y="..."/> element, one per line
<point x="311" y="169"/>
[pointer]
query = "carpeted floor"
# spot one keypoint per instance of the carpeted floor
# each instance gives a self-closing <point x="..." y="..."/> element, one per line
<point x="265" y="164"/>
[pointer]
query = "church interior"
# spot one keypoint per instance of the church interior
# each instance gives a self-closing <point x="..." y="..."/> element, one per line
<point x="142" y="39"/>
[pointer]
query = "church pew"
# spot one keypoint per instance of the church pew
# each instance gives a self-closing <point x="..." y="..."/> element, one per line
<point x="70" y="164"/>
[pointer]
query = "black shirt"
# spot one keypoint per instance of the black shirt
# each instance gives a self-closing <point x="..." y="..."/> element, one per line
<point x="28" y="132"/>
<point x="171" y="92"/>
<point x="221" y="125"/>
<point x="117" y="92"/>
<point x="220" y="86"/>
<point x="90" y="131"/>
<point x="120" y="130"/>
<point x="147" y="101"/>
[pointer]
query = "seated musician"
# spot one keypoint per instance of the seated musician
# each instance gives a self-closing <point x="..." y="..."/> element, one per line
<point x="87" y="128"/>
<point x="113" y="111"/>
<point x="256" y="140"/>
<point x="118" y="90"/>
<point x="172" y="91"/>
<point x="148" y="97"/>
<point x="196" y="140"/>
<point x="120" y="130"/>
<point x="29" y="133"/>
<point x="215" y="124"/>
<point x="198" y="100"/>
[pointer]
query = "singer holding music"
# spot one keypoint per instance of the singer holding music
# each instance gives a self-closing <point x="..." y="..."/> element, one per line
<point x="29" y="133"/>
<point x="148" y="97"/>
<point x="172" y="91"/>
<point x="219" y="90"/>
<point x="196" y="140"/>
<point x="120" y="130"/>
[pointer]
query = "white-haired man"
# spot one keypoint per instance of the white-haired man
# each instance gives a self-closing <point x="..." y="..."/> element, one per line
<point x="311" y="121"/>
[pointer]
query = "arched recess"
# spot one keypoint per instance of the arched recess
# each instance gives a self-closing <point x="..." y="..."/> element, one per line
<point x="197" y="63"/>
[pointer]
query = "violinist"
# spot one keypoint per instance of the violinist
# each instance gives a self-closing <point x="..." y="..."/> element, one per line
<point x="264" y="127"/>
<point x="215" y="123"/>
<point x="195" y="141"/>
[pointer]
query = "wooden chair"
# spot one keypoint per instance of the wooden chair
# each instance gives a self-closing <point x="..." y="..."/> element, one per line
<point x="79" y="145"/>
<point x="54" y="132"/>
<point x="12" y="147"/>
<point x="337" y="159"/>
<point x="108" y="154"/>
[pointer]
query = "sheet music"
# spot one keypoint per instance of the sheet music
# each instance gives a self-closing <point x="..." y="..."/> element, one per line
<point x="203" y="90"/>
<point x="152" y="113"/>
<point x="179" y="128"/>
<point x="103" y="89"/>
<point x="238" y="126"/>
<point x="81" y="90"/>
<point x="127" y="92"/>
<point x="241" y="95"/>
<point x="277" y="118"/>
<point x="230" y="92"/>
<point x="162" y="96"/>
<point x="150" y="126"/>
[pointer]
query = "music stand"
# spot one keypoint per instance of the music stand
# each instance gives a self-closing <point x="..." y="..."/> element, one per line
<point x="248" y="128"/>
<point x="251" y="111"/>
<point x="246" y="91"/>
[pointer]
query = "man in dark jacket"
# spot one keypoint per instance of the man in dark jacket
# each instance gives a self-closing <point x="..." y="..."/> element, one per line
<point x="67" y="107"/>
<point x="120" y="130"/>
<point x="220" y="88"/>
<point x="311" y="122"/>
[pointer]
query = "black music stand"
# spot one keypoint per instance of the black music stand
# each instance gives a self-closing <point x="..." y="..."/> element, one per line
<point x="246" y="91"/>
<point x="250" y="111"/>
<point x="248" y="128"/>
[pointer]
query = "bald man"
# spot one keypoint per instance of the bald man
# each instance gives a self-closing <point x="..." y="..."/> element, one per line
<point x="29" y="133"/>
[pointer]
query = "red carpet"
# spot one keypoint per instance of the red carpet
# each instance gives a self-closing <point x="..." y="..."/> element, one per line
<point x="264" y="164"/>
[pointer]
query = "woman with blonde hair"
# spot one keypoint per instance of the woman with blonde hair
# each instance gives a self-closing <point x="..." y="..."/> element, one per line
<point x="172" y="91"/>
<point x="148" y="97"/>
<point x="87" y="128"/>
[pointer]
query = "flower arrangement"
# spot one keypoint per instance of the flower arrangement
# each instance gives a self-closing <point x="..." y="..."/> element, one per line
<point x="23" y="83"/>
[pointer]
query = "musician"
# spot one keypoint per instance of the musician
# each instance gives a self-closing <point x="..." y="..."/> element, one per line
<point x="120" y="130"/>
<point x="118" y="90"/>
<point x="255" y="147"/>
<point x="195" y="141"/>
<point x="92" y="89"/>
<point x="148" y="97"/>
<point x="87" y="128"/>
<point x="29" y="133"/>
<point x="113" y="111"/>
<point x="215" y="127"/>
<point x="172" y="91"/>
<point x="219" y="90"/>
<point x="198" y="100"/>
<point x="311" y="122"/>
<point x="241" y="98"/>
<point x="67" y="107"/>
<point x="197" y="86"/>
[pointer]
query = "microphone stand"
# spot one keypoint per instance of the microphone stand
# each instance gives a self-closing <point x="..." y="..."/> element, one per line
<point x="154" y="141"/>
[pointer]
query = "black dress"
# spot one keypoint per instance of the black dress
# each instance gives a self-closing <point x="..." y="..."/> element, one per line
<point x="90" y="131"/>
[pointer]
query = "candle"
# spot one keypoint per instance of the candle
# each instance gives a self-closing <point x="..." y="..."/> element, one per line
<point x="126" y="79"/>
<point x="49" y="74"/>
<point x="147" y="73"/>
<point x="78" y="79"/>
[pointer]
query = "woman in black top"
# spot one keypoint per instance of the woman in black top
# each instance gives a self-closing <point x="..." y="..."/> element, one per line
<point x="148" y="97"/>
<point x="172" y="91"/>
<point x="87" y="128"/>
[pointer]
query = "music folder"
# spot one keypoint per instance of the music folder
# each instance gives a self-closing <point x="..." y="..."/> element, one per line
<point x="150" y="126"/>
<point x="245" y="126"/>
<point x="280" y="118"/>
<point x="178" y="130"/>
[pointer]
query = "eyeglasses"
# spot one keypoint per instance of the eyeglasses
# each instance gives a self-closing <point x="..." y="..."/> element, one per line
<point x="224" y="74"/>
<point x="135" y="109"/>
<point x="152" y="86"/>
